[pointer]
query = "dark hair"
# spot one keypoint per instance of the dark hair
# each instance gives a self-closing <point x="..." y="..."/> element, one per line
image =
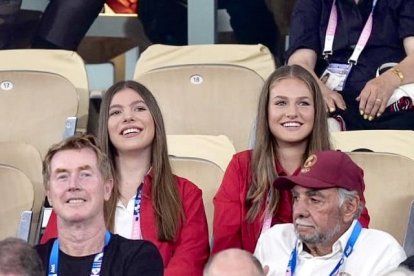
<point x="19" y="258"/>
<point x="266" y="148"/>
<point x="165" y="196"/>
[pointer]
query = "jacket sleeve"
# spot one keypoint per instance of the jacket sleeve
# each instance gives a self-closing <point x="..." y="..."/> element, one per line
<point x="228" y="209"/>
<point x="51" y="229"/>
<point x="192" y="245"/>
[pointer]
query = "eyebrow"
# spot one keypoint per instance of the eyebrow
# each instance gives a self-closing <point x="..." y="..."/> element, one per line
<point x="81" y="168"/>
<point x="286" y="98"/>
<point x="131" y="104"/>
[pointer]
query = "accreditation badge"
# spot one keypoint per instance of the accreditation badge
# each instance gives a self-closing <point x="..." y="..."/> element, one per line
<point x="335" y="75"/>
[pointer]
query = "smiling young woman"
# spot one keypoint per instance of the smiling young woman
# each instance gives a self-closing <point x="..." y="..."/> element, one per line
<point x="291" y="125"/>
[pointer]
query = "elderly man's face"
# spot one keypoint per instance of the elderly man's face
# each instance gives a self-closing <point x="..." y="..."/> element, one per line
<point x="317" y="217"/>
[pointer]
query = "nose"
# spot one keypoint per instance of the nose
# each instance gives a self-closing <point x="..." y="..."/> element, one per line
<point x="74" y="183"/>
<point x="300" y="209"/>
<point x="128" y="116"/>
<point x="291" y="111"/>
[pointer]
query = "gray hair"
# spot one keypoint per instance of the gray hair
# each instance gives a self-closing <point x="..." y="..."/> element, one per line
<point x="345" y="195"/>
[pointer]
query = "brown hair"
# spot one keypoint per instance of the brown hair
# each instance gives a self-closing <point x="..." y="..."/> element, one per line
<point x="165" y="197"/>
<point x="77" y="142"/>
<point x="265" y="149"/>
<point x="82" y="141"/>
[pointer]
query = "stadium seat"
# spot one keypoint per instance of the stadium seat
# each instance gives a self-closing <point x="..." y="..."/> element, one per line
<point x="26" y="158"/>
<point x="390" y="141"/>
<point x="66" y="64"/>
<point x="202" y="160"/>
<point x="207" y="89"/>
<point x="389" y="190"/>
<point x="16" y="196"/>
<point x="36" y="107"/>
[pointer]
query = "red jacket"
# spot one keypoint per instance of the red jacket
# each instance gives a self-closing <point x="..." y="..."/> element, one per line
<point x="190" y="251"/>
<point x="230" y="228"/>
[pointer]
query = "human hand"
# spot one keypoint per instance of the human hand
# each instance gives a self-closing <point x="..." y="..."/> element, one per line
<point x="332" y="98"/>
<point x="374" y="96"/>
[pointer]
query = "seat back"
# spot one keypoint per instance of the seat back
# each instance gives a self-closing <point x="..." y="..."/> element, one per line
<point x="392" y="141"/>
<point x="67" y="64"/>
<point x="34" y="107"/>
<point x="389" y="190"/>
<point x="201" y="95"/>
<point x="202" y="160"/>
<point x="26" y="158"/>
<point x="16" y="196"/>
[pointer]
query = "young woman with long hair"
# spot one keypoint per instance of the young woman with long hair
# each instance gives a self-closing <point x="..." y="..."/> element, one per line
<point x="291" y="125"/>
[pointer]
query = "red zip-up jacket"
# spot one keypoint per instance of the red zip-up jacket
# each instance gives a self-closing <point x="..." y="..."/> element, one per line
<point x="230" y="228"/>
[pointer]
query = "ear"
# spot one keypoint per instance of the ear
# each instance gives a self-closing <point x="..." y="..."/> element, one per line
<point x="350" y="208"/>
<point x="48" y="195"/>
<point x="108" y="186"/>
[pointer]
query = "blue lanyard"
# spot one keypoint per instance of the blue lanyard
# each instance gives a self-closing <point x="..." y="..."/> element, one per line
<point x="96" y="265"/>
<point x="137" y="203"/>
<point x="348" y="250"/>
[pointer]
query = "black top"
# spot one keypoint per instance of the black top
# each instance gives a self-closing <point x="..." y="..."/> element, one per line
<point x="393" y="20"/>
<point x="121" y="257"/>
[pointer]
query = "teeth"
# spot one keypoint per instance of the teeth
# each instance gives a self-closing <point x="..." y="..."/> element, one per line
<point x="76" y="200"/>
<point x="130" y="130"/>
<point x="291" y="124"/>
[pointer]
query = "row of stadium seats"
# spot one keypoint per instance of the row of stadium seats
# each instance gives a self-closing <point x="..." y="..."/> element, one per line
<point x="208" y="96"/>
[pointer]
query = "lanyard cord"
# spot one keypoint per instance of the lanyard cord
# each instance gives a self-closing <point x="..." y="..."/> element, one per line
<point x="290" y="270"/>
<point x="362" y="40"/>
<point x="96" y="265"/>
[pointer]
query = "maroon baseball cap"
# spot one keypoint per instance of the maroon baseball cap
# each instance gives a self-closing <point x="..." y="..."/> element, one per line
<point x="326" y="169"/>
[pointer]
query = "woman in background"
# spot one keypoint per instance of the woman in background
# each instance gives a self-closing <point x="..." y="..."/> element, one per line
<point x="291" y="125"/>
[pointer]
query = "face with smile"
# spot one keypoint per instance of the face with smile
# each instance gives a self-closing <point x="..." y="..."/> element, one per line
<point x="130" y="123"/>
<point x="76" y="188"/>
<point x="291" y="111"/>
<point x="317" y="216"/>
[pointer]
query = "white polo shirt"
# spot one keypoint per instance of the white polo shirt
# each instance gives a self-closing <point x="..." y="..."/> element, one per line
<point x="123" y="218"/>
<point x="375" y="253"/>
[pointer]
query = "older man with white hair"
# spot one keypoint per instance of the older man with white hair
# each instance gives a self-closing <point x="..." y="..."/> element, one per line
<point x="326" y="237"/>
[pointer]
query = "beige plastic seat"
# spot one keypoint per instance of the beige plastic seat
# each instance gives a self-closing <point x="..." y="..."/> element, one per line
<point x="207" y="89"/>
<point x="34" y="107"/>
<point x="389" y="180"/>
<point x="67" y="64"/>
<point x="202" y="160"/>
<point x="26" y="158"/>
<point x="16" y="196"/>
<point x="392" y="141"/>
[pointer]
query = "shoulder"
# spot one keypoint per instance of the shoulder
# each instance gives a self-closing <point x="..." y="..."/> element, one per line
<point x="125" y="246"/>
<point x="186" y="186"/>
<point x="377" y="236"/>
<point x="381" y="243"/>
<point x="281" y="234"/>
<point x="44" y="249"/>
<point x="243" y="156"/>
<point x="240" y="161"/>
<point x="279" y="241"/>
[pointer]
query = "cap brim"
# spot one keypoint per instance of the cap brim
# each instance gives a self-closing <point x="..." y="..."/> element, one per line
<point x="288" y="182"/>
